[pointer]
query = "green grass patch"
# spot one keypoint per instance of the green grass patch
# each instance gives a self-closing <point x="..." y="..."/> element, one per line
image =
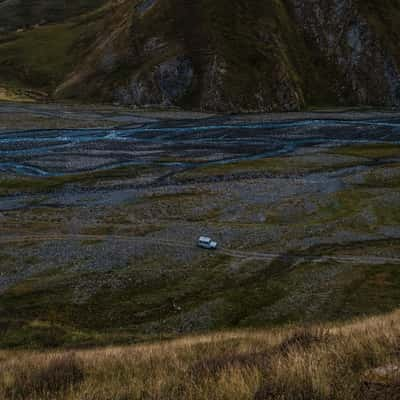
<point x="275" y="165"/>
<point x="376" y="290"/>
<point x="363" y="248"/>
<point x="144" y="301"/>
<point x="344" y="204"/>
<point x="387" y="176"/>
<point x="10" y="186"/>
<point x="42" y="57"/>
<point x="375" y="151"/>
<point x="359" y="209"/>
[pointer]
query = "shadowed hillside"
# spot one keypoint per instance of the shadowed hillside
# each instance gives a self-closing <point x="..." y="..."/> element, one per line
<point x="220" y="55"/>
<point x="15" y="14"/>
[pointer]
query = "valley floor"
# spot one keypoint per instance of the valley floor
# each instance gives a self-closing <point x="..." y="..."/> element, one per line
<point x="100" y="210"/>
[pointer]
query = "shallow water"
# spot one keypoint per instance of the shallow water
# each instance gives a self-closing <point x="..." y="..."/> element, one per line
<point x="21" y="152"/>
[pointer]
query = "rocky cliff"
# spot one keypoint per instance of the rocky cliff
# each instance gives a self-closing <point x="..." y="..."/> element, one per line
<point x="218" y="55"/>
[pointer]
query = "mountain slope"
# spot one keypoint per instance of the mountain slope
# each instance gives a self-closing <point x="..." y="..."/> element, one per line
<point x="221" y="55"/>
<point x="16" y="14"/>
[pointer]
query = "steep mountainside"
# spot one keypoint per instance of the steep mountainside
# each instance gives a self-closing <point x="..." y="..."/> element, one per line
<point x="223" y="55"/>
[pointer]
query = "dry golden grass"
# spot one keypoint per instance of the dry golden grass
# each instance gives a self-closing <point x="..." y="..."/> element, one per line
<point x="10" y="95"/>
<point x="330" y="362"/>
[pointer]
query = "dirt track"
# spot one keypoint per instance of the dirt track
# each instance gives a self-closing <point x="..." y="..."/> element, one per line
<point x="233" y="253"/>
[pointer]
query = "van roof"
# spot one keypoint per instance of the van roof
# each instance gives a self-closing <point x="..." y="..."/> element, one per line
<point x="204" y="239"/>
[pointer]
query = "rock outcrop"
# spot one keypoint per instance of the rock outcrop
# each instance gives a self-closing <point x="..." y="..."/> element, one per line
<point x="367" y="73"/>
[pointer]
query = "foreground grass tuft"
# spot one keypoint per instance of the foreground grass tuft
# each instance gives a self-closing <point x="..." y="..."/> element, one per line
<point x="53" y="376"/>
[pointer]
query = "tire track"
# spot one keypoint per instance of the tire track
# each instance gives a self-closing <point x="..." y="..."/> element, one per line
<point x="233" y="253"/>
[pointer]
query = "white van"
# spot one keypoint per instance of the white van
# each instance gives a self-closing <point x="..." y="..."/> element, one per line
<point x="206" y="243"/>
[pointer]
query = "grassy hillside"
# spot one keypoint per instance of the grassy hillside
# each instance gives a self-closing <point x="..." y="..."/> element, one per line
<point x="356" y="361"/>
<point x="213" y="55"/>
<point x="15" y="14"/>
<point x="42" y="57"/>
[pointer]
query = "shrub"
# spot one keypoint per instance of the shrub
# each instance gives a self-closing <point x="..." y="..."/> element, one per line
<point x="44" y="378"/>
